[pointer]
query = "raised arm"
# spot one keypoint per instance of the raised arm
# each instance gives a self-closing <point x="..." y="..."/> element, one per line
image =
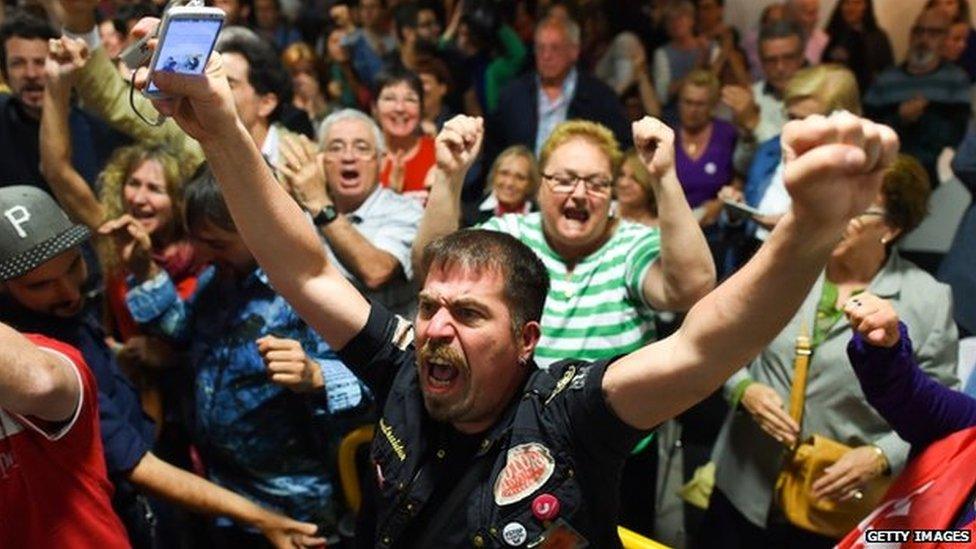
<point x="34" y="382"/>
<point x="72" y="191"/>
<point x="105" y="94"/>
<point x="272" y="224"/>
<point x="458" y="145"/>
<point x="834" y="169"/>
<point x="918" y="407"/>
<point x="684" y="272"/>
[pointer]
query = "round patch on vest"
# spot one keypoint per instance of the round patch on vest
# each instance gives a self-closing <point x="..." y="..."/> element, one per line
<point x="545" y="507"/>
<point x="514" y="534"/>
<point x="711" y="168"/>
<point x="527" y="468"/>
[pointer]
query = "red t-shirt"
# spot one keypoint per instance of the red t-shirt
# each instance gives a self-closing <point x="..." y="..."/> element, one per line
<point x="415" y="170"/>
<point x="54" y="489"/>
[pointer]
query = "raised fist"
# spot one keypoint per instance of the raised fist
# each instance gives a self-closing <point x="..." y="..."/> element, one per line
<point x="654" y="142"/>
<point x="874" y="318"/>
<point x="745" y="113"/>
<point x="289" y="366"/>
<point x="459" y="143"/>
<point x="834" y="166"/>
<point x="64" y="57"/>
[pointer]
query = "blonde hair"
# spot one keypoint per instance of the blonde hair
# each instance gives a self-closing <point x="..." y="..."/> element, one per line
<point x="592" y="132"/>
<point x="113" y="178"/>
<point x="703" y="78"/>
<point x="643" y="177"/>
<point x="521" y="151"/>
<point x="833" y="86"/>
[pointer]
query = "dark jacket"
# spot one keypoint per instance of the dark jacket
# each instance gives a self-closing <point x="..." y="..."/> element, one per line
<point x="958" y="269"/>
<point x="92" y="143"/>
<point x="559" y="439"/>
<point x="517" y="117"/>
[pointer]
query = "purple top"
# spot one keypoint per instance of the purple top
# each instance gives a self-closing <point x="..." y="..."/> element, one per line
<point x="702" y="178"/>
<point x="917" y="407"/>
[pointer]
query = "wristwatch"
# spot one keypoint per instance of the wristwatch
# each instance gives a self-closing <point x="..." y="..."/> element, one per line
<point x="326" y="215"/>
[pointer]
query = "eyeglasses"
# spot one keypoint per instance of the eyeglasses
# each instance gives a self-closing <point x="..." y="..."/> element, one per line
<point x="595" y="184"/>
<point x="360" y="149"/>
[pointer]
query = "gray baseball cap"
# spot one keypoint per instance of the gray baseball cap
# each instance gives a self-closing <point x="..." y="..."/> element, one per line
<point x="33" y="230"/>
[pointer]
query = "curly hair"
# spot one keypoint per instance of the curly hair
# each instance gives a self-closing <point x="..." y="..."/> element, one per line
<point x="596" y="134"/>
<point x="906" y="190"/>
<point x="111" y="182"/>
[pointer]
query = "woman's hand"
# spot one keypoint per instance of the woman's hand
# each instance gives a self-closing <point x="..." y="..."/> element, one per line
<point x="133" y="244"/>
<point x="874" y="318"/>
<point x="845" y="479"/>
<point x="767" y="410"/>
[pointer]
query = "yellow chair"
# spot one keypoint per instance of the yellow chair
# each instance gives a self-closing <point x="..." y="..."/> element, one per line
<point x="348" y="473"/>
<point x="349" y="479"/>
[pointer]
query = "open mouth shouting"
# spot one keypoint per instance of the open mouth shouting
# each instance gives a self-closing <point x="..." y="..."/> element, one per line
<point x="575" y="213"/>
<point x="440" y="369"/>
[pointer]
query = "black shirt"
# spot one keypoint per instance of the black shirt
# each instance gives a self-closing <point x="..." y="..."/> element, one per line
<point x="558" y="437"/>
<point x="92" y="142"/>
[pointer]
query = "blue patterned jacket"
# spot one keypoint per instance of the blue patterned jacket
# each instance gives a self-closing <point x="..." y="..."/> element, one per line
<point x="257" y="438"/>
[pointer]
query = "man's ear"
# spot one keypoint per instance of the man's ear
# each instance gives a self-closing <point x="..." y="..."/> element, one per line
<point x="267" y="104"/>
<point x="528" y="338"/>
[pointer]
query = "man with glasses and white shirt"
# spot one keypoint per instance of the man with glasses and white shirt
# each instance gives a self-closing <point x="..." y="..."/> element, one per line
<point x="368" y="229"/>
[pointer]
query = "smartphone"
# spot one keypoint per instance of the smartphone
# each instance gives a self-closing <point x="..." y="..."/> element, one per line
<point x="186" y="38"/>
<point x="741" y="208"/>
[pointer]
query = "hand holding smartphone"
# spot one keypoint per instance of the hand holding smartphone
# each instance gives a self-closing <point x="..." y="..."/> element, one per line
<point x="187" y="35"/>
<point x="741" y="208"/>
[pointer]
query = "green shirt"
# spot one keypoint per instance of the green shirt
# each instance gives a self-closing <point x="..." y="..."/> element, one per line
<point x="597" y="310"/>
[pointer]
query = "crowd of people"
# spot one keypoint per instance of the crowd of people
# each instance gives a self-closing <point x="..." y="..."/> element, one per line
<point x="513" y="239"/>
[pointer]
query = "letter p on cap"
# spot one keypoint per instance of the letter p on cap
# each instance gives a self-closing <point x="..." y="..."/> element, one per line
<point x="17" y="216"/>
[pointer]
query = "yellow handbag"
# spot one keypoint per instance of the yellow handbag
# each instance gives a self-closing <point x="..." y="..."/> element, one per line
<point x="805" y="463"/>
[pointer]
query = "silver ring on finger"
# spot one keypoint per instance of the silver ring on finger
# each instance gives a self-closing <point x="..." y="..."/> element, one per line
<point x="857" y="494"/>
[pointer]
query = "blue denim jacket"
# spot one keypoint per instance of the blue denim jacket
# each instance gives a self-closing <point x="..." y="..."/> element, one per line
<point x="257" y="438"/>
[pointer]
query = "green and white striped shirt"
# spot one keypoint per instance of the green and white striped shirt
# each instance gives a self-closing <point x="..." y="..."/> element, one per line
<point x="597" y="310"/>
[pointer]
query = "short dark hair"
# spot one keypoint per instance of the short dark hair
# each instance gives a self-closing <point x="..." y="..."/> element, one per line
<point x="906" y="190"/>
<point x="204" y="202"/>
<point x="21" y="24"/>
<point x="396" y="74"/>
<point x="265" y="73"/>
<point x="433" y="65"/>
<point x="526" y="280"/>
<point x="783" y="28"/>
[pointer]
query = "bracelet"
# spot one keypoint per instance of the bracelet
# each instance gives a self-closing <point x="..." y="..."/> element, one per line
<point x="885" y="466"/>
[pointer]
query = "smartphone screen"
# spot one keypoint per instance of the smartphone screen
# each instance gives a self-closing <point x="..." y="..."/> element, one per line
<point x="186" y="45"/>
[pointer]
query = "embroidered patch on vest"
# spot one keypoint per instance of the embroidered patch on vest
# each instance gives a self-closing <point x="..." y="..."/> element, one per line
<point x="395" y="443"/>
<point x="527" y="467"/>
